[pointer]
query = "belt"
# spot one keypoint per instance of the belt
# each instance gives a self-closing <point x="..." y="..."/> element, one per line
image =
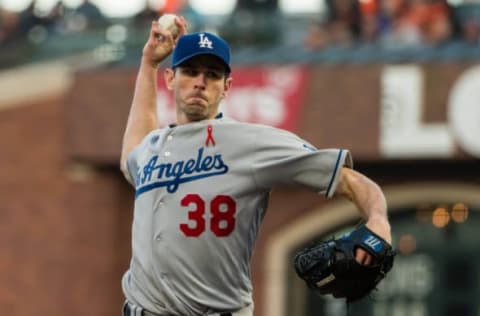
<point x="133" y="310"/>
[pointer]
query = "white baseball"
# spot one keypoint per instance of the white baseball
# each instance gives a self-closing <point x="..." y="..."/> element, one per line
<point x="167" y="22"/>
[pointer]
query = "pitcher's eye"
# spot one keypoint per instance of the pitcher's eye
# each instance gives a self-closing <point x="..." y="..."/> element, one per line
<point x="214" y="74"/>
<point x="192" y="72"/>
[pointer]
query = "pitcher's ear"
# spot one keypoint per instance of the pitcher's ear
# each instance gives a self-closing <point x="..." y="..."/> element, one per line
<point x="227" y="86"/>
<point x="168" y="76"/>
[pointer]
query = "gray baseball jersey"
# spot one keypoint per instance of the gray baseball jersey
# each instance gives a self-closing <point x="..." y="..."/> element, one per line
<point x="201" y="193"/>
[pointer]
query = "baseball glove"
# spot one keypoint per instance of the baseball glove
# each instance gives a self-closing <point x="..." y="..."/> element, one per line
<point x="330" y="267"/>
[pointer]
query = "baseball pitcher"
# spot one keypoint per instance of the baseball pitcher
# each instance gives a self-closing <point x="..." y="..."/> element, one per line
<point x="202" y="184"/>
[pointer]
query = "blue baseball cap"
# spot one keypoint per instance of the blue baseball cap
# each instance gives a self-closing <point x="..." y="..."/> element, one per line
<point x="201" y="43"/>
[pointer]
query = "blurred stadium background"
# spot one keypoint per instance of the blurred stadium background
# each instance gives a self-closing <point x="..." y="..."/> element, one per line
<point x="395" y="81"/>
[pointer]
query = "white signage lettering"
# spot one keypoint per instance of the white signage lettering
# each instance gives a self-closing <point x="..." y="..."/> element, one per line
<point x="400" y="309"/>
<point x="405" y="290"/>
<point x="464" y="111"/>
<point x="402" y="132"/>
<point x="412" y="277"/>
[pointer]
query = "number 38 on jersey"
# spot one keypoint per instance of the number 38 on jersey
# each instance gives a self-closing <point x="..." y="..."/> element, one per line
<point x="220" y="211"/>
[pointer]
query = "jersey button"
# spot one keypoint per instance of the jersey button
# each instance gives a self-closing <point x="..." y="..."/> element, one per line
<point x="167" y="153"/>
<point x="169" y="137"/>
<point x="158" y="237"/>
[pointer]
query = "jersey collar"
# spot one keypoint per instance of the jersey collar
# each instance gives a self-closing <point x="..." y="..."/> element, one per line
<point x="218" y="116"/>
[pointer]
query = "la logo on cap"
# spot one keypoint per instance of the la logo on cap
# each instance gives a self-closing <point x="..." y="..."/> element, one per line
<point x="205" y="42"/>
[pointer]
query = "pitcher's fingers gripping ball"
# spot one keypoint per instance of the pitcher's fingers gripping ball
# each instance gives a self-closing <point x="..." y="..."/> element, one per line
<point x="167" y="22"/>
<point x="330" y="267"/>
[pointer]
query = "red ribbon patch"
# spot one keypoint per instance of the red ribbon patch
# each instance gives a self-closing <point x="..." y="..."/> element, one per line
<point x="210" y="136"/>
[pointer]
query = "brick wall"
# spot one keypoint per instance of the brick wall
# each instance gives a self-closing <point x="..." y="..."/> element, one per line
<point x="65" y="226"/>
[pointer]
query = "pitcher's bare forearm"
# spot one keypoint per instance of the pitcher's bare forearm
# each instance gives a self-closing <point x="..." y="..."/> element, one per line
<point x="369" y="199"/>
<point x="142" y="118"/>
